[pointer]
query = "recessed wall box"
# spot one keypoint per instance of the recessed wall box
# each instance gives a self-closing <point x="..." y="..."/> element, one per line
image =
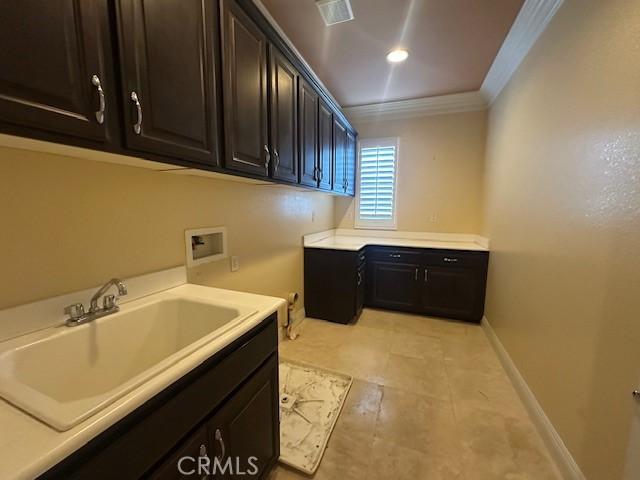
<point x="205" y="245"/>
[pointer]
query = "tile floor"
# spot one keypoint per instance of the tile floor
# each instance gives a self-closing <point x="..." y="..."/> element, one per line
<point x="430" y="401"/>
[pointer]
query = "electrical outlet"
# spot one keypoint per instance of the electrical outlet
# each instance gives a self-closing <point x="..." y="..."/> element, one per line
<point x="433" y="218"/>
<point x="235" y="263"/>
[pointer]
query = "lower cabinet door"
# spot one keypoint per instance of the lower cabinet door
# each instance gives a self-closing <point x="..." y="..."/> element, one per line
<point x="245" y="434"/>
<point x="451" y="292"/>
<point x="394" y="285"/>
<point x="190" y="460"/>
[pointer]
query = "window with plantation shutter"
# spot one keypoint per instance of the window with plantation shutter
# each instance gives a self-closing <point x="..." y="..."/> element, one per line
<point x="377" y="183"/>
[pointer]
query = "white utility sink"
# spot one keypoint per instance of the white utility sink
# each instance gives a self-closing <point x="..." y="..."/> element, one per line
<point x="64" y="375"/>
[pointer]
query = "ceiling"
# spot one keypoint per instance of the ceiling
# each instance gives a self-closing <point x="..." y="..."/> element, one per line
<point x="451" y="45"/>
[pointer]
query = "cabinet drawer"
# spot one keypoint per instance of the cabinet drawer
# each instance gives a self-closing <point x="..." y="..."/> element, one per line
<point x="455" y="258"/>
<point x="400" y="255"/>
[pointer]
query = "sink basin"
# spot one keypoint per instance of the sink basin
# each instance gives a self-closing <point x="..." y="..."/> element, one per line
<point x="69" y="374"/>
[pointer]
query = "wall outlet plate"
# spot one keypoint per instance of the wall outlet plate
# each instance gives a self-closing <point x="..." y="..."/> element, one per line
<point x="235" y="263"/>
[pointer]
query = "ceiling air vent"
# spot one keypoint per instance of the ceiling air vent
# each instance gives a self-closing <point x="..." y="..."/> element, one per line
<point x="335" y="11"/>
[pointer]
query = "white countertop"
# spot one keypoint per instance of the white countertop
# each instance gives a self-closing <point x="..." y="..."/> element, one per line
<point x="356" y="239"/>
<point x="28" y="447"/>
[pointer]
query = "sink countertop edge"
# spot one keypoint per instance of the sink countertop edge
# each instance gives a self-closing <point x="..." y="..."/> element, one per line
<point x="33" y="447"/>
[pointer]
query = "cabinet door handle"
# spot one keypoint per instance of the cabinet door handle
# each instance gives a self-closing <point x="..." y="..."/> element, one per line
<point x="359" y="278"/>
<point x="95" y="81"/>
<point x="394" y="255"/>
<point x="416" y="278"/>
<point x="426" y="275"/>
<point x="137" y="127"/>
<point x="267" y="159"/>
<point x="219" y="439"/>
<point x="276" y="160"/>
<point x="450" y="259"/>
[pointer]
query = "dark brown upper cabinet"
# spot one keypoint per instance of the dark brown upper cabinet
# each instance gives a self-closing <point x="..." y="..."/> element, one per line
<point x="56" y="73"/>
<point x="351" y="159"/>
<point x="169" y="61"/>
<point x="339" y="150"/>
<point x="244" y="66"/>
<point x="325" y="143"/>
<point x="308" y="135"/>
<point x="284" y="117"/>
<point x="205" y="84"/>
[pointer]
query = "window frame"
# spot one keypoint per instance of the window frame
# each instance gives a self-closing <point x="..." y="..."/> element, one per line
<point x="365" y="224"/>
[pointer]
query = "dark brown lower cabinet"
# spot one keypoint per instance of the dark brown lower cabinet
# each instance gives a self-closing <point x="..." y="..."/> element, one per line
<point x="225" y="413"/>
<point x="244" y="435"/>
<point x="451" y="292"/>
<point x="442" y="283"/>
<point x="334" y="284"/>
<point x="394" y="285"/>
<point x="240" y="439"/>
<point x="190" y="453"/>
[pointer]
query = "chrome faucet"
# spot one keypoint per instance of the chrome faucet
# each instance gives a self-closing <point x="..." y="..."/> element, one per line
<point x="77" y="314"/>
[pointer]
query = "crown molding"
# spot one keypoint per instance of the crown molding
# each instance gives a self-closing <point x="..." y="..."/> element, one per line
<point x="533" y="18"/>
<point x="418" y="107"/>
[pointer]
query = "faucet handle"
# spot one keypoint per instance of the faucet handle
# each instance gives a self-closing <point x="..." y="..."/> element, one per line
<point x="75" y="311"/>
<point x="109" y="302"/>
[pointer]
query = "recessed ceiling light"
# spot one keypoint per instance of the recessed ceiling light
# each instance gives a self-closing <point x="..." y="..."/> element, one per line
<point x="397" y="55"/>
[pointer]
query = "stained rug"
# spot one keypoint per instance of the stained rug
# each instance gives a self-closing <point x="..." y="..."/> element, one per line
<point x="311" y="400"/>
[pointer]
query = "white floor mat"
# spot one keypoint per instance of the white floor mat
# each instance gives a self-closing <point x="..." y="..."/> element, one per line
<point x="311" y="399"/>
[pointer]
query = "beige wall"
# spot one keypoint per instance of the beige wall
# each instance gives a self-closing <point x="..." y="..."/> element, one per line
<point x="440" y="170"/>
<point x="563" y="215"/>
<point x="69" y="224"/>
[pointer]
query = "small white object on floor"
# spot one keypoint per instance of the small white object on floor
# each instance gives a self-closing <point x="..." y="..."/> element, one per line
<point x="311" y="399"/>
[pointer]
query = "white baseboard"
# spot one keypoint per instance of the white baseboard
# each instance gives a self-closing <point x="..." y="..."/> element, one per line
<point x="558" y="450"/>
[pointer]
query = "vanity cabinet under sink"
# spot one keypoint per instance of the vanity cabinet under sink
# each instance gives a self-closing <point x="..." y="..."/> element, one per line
<point x="226" y="408"/>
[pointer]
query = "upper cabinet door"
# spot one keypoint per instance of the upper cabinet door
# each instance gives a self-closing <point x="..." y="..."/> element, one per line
<point x="339" y="146"/>
<point x="284" y="117"/>
<point x="244" y="60"/>
<point x="308" y="135"/>
<point x="350" y="159"/>
<point x="55" y="73"/>
<point x="325" y="141"/>
<point x="168" y="69"/>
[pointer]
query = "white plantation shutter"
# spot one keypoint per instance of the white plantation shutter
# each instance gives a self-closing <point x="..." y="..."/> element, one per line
<point x="377" y="182"/>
